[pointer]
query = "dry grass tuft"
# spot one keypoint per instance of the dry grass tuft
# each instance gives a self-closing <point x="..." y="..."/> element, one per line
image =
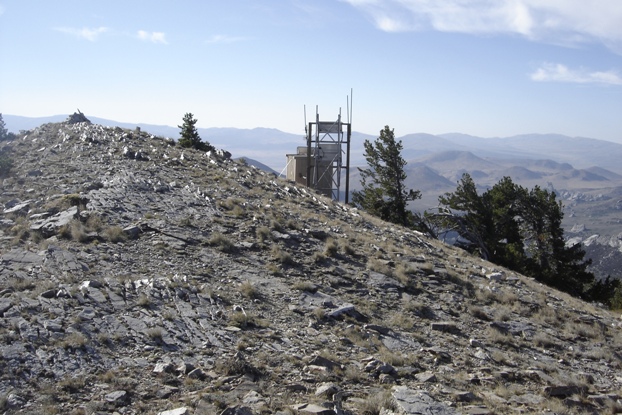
<point x="221" y="242"/>
<point x="305" y="286"/>
<point x="282" y="256"/>
<point x="248" y="290"/>
<point x="378" y="265"/>
<point x="331" y="247"/>
<point x="115" y="234"/>
<point x="376" y="404"/>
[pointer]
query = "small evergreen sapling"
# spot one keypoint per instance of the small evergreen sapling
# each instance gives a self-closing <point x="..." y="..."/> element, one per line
<point x="190" y="136"/>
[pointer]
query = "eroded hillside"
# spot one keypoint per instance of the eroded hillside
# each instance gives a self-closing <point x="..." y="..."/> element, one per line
<point x="140" y="277"/>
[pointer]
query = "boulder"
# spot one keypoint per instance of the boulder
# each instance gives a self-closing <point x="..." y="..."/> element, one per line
<point x="50" y="226"/>
<point x="411" y="402"/>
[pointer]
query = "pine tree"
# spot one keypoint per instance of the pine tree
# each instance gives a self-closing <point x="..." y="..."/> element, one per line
<point x="4" y="134"/>
<point x="6" y="162"/>
<point x="550" y="259"/>
<point x="384" y="193"/>
<point x="474" y="222"/>
<point x="190" y="136"/>
<point x="519" y="229"/>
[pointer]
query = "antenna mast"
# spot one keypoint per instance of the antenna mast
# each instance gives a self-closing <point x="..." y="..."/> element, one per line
<point x="320" y="164"/>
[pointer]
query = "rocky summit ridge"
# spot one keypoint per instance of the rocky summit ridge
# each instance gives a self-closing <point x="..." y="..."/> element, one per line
<point x="140" y="277"/>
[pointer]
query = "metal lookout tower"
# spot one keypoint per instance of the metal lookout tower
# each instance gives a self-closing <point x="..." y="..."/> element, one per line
<point x="325" y="161"/>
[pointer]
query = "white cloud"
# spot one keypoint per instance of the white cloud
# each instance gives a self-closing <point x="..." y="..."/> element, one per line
<point x="1" y="10"/>
<point x="554" y="21"/>
<point x="155" y="37"/>
<point x="556" y="72"/>
<point x="224" y="39"/>
<point x="90" y="34"/>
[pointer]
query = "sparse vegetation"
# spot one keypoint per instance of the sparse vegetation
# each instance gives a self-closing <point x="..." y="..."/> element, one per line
<point x="263" y="233"/>
<point x="305" y="286"/>
<point x="282" y="256"/>
<point x="331" y="247"/>
<point x="319" y="313"/>
<point x="75" y="340"/>
<point x="72" y="384"/>
<point x="244" y="320"/>
<point x="405" y="274"/>
<point x="402" y="321"/>
<point x="220" y="241"/>
<point x="381" y="266"/>
<point x="248" y="290"/>
<point x="78" y="232"/>
<point x="376" y="403"/>
<point x="144" y="301"/>
<point x="115" y="234"/>
<point x="155" y="334"/>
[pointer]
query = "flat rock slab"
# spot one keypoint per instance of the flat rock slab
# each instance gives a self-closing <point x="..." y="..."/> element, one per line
<point x="445" y="326"/>
<point x="5" y="304"/>
<point x="177" y="411"/>
<point x="564" y="390"/>
<point x="118" y="398"/>
<point x="51" y="225"/>
<point x="527" y="399"/>
<point x="19" y="207"/>
<point x="412" y="402"/>
<point x="22" y="256"/>
<point x="312" y="409"/>
<point x="515" y="328"/>
<point x="383" y="282"/>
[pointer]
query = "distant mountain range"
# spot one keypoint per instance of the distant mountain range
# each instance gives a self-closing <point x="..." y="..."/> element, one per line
<point x="269" y="146"/>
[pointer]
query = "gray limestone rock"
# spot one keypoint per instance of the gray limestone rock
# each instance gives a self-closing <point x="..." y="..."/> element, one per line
<point x="77" y="117"/>
<point x="312" y="409"/>
<point x="380" y="329"/>
<point x="237" y="410"/>
<point x="14" y="401"/>
<point x="346" y="309"/>
<point x="323" y="362"/>
<point x="164" y="367"/>
<point x="177" y="411"/>
<point x="445" y="326"/>
<point x="528" y="399"/>
<point x="411" y="402"/>
<point x="327" y="390"/>
<point x="17" y="257"/>
<point x="197" y="373"/>
<point x="5" y="305"/>
<point x="564" y="390"/>
<point x="425" y="377"/>
<point x="515" y="328"/>
<point x="51" y="225"/>
<point x="118" y="398"/>
<point x="19" y="207"/>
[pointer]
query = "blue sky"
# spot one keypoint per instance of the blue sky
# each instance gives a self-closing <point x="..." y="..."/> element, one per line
<point x="481" y="67"/>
